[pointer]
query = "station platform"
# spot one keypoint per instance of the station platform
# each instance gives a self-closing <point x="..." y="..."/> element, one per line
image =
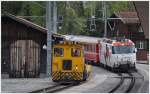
<point x="24" y="85"/>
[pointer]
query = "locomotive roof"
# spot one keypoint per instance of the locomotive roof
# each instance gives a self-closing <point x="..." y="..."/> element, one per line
<point x="82" y="39"/>
<point x="92" y="40"/>
<point x="115" y="40"/>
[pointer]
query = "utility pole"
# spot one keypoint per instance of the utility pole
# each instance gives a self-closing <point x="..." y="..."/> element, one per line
<point x="54" y="17"/>
<point x="49" y="23"/>
<point x="105" y="19"/>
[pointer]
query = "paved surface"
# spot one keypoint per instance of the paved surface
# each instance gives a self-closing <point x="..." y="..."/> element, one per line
<point x="98" y="77"/>
<point x="24" y="85"/>
<point x="144" y="70"/>
<point x="101" y="81"/>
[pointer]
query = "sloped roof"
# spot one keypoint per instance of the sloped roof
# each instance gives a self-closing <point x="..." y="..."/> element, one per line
<point x="29" y="24"/>
<point x="25" y="22"/>
<point x="142" y="8"/>
<point x="127" y="17"/>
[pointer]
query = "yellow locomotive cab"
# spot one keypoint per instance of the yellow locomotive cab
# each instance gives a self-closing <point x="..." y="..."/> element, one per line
<point x="68" y="63"/>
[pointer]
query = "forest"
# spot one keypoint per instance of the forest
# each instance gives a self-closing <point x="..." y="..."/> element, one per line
<point x="76" y="15"/>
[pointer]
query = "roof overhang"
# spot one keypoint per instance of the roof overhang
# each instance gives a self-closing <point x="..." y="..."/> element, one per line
<point x="142" y="8"/>
<point x="32" y="25"/>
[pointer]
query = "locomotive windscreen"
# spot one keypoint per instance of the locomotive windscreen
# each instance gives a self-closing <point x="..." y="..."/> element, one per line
<point x="122" y="49"/>
<point x="67" y="64"/>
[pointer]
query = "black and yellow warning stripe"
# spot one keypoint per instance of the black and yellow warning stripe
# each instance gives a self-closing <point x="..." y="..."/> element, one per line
<point x="71" y="75"/>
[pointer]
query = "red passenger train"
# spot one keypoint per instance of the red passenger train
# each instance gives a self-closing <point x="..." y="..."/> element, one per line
<point x="114" y="53"/>
<point x="91" y="52"/>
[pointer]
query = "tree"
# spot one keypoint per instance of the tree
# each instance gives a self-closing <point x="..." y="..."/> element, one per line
<point x="118" y="6"/>
<point x="73" y="22"/>
<point x="76" y="14"/>
<point x="25" y="9"/>
<point x="11" y="7"/>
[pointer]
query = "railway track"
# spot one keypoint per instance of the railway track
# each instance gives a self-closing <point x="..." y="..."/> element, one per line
<point x="122" y="81"/>
<point x="118" y="85"/>
<point x="54" y="88"/>
<point x="131" y="83"/>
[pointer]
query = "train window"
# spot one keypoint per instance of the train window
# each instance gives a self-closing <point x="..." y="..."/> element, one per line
<point x="94" y="49"/>
<point x="58" y="52"/>
<point x="85" y="47"/>
<point x="75" y="52"/>
<point x="67" y="64"/>
<point x="90" y="48"/>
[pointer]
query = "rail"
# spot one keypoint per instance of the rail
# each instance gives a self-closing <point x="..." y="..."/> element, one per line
<point x="52" y="89"/>
<point x="56" y="88"/>
<point x="118" y="85"/>
<point x="131" y="83"/>
<point x="122" y="80"/>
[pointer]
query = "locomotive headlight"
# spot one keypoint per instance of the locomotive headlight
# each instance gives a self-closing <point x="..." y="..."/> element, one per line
<point x="76" y="68"/>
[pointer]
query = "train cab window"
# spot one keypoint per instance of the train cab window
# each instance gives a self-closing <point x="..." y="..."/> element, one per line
<point x="75" y="52"/>
<point x="58" y="52"/>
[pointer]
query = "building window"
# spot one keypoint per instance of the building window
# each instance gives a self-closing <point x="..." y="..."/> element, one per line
<point x="140" y="29"/>
<point x="140" y="44"/>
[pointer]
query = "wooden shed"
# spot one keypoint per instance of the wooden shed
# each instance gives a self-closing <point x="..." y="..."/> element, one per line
<point x="22" y="47"/>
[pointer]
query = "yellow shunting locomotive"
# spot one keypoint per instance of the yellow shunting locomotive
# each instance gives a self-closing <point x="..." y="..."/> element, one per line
<point x="68" y="63"/>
